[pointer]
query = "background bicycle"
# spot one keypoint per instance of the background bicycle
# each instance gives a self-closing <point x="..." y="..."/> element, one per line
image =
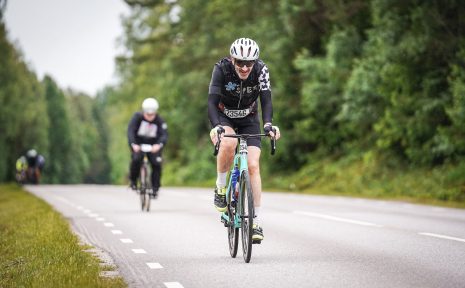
<point x="145" y="189"/>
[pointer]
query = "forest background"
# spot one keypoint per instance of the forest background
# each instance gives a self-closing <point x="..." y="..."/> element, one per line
<point x="369" y="96"/>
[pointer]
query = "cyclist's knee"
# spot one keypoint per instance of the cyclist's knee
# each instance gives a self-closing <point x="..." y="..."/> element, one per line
<point x="228" y="144"/>
<point x="254" y="166"/>
<point x="156" y="160"/>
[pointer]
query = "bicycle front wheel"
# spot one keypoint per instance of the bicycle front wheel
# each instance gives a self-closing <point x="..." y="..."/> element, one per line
<point x="246" y="208"/>
<point x="233" y="232"/>
<point x="143" y="185"/>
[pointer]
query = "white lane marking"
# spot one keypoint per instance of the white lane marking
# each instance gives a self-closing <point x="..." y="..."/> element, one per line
<point x="87" y="211"/>
<point x="64" y="200"/>
<point x="334" y="218"/>
<point x="93" y="215"/>
<point x="154" y="265"/>
<point x="173" y="285"/>
<point x="108" y="224"/>
<point x="139" y="251"/>
<point x="117" y="232"/>
<point x="442" y="236"/>
<point x="80" y="207"/>
<point x="126" y="240"/>
<point x="100" y="219"/>
<point x="438" y="209"/>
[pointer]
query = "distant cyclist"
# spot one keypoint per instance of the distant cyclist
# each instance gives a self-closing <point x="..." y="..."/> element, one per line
<point x="21" y="170"/>
<point x="147" y="127"/>
<point x="35" y="165"/>
<point x="236" y="85"/>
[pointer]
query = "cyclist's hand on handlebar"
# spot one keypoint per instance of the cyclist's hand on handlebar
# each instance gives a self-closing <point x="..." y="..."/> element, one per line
<point x="273" y="131"/>
<point x="135" y="148"/>
<point x="218" y="130"/>
<point x="156" y="148"/>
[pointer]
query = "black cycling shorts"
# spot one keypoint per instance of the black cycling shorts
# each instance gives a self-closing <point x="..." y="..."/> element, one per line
<point x="247" y="125"/>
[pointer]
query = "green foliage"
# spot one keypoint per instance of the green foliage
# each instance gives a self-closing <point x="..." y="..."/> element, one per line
<point x="378" y="79"/>
<point x="22" y="106"/>
<point x="67" y="130"/>
<point x="381" y="77"/>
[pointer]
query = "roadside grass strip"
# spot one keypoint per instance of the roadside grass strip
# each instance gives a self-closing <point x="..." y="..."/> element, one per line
<point x="38" y="249"/>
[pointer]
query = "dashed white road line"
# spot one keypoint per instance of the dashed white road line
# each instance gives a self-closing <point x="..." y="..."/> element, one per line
<point x="117" y="232"/>
<point x="442" y="236"/>
<point x="153" y="265"/>
<point x="93" y="215"/>
<point x="80" y="207"/>
<point x="100" y="219"/>
<point x="87" y="211"/>
<point x="108" y="224"/>
<point x="126" y="240"/>
<point x="334" y="218"/>
<point x="173" y="285"/>
<point x="436" y="209"/>
<point x="139" y="251"/>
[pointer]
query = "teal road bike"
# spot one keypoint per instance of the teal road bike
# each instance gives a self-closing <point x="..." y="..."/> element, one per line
<point x="239" y="197"/>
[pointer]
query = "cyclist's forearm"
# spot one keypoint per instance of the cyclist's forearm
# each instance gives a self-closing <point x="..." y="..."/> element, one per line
<point x="213" y="101"/>
<point x="267" y="106"/>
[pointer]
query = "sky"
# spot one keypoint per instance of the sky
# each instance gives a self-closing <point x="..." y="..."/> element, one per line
<point x="74" y="41"/>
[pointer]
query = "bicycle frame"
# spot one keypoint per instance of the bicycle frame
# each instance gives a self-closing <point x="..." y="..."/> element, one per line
<point x="240" y="161"/>
<point x="239" y="213"/>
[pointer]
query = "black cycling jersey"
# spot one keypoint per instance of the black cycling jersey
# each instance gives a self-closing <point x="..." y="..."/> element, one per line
<point x="227" y="92"/>
<point x="141" y="131"/>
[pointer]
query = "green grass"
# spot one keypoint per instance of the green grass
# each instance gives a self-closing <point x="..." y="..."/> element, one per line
<point x="370" y="177"/>
<point x="38" y="249"/>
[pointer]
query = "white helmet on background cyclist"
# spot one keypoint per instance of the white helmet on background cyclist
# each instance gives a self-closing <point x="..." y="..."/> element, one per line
<point x="150" y="105"/>
<point x="244" y="49"/>
<point x="32" y="153"/>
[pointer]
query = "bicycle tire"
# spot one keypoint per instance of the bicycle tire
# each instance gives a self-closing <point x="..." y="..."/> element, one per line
<point x="143" y="172"/>
<point x="233" y="232"/>
<point x="246" y="212"/>
<point x="148" y="188"/>
<point x="147" y="202"/>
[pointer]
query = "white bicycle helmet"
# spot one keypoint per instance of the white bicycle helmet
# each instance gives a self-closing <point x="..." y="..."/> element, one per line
<point x="150" y="105"/>
<point x="32" y="153"/>
<point x="245" y="49"/>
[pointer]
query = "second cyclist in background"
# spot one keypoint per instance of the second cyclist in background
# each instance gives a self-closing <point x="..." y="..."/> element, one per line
<point x="147" y="127"/>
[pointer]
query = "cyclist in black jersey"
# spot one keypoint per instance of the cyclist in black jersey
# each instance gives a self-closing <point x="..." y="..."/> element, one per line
<point x="147" y="127"/>
<point x="237" y="83"/>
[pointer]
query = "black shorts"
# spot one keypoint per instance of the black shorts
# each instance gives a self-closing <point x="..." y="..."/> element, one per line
<point x="246" y="125"/>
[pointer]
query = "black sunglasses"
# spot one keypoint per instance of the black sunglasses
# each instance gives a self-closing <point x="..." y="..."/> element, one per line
<point x="241" y="63"/>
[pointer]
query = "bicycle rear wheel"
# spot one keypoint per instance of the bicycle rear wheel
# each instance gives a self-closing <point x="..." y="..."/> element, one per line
<point x="233" y="232"/>
<point x="246" y="212"/>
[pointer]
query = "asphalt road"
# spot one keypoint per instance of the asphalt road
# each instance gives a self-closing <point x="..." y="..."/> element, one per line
<point x="310" y="241"/>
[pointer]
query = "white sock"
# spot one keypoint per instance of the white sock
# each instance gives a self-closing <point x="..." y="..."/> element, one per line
<point x="257" y="212"/>
<point x="221" y="180"/>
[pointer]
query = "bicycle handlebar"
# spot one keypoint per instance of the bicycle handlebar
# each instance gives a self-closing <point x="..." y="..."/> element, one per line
<point x="244" y="136"/>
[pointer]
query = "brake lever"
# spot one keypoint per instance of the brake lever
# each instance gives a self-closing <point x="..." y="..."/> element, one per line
<point x="217" y="145"/>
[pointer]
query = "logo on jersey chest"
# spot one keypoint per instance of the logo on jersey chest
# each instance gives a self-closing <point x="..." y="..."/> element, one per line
<point x="234" y="87"/>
